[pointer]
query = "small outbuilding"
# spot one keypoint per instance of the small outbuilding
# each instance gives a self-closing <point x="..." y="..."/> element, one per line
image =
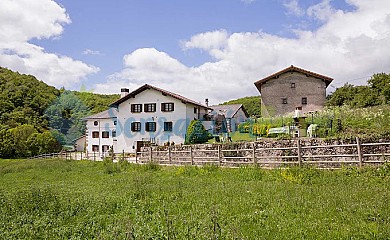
<point x="234" y="115"/>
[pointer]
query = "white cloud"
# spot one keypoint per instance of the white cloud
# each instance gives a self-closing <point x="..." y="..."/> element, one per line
<point x="23" y="20"/>
<point x="293" y="8"/>
<point x="322" y="11"/>
<point x="91" y="52"/>
<point x="208" y="41"/>
<point x="348" y="46"/>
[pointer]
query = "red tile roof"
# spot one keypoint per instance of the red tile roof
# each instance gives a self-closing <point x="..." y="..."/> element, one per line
<point x="165" y="92"/>
<point x="292" y="68"/>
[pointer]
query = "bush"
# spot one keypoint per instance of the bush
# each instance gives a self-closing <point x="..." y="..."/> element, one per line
<point x="196" y="133"/>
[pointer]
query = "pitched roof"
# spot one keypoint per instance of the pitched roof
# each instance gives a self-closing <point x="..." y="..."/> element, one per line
<point x="229" y="110"/>
<point x="110" y="113"/>
<point x="292" y="68"/>
<point x="164" y="92"/>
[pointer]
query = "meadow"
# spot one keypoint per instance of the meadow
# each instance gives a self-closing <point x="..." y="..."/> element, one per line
<point x="63" y="199"/>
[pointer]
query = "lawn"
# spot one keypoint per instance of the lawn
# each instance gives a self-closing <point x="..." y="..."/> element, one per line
<point x="59" y="199"/>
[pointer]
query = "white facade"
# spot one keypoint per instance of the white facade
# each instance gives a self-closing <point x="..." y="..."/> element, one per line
<point x="129" y="139"/>
<point x="146" y="115"/>
<point x="101" y="129"/>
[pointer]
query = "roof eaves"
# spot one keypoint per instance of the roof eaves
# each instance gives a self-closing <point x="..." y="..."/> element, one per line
<point x="327" y="80"/>
<point x="164" y="92"/>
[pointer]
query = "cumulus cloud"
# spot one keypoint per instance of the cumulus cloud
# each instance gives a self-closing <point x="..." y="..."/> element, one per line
<point x="23" y="20"/>
<point x="347" y="46"/>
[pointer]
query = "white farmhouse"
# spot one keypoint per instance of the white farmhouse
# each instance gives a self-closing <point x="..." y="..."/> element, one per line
<point x="146" y="115"/>
<point x="101" y="131"/>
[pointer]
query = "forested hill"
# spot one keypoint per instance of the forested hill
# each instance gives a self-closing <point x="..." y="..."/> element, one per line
<point x="251" y="104"/>
<point x="96" y="102"/>
<point x="23" y="99"/>
<point x="33" y="113"/>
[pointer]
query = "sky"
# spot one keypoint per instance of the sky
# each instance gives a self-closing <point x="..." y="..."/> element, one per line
<point x="197" y="48"/>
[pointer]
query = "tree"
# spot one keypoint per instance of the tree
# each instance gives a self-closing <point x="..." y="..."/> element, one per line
<point x="40" y="143"/>
<point x="65" y="115"/>
<point x="354" y="96"/>
<point x="380" y="84"/>
<point x="7" y="144"/>
<point x="20" y="134"/>
<point x="196" y="133"/>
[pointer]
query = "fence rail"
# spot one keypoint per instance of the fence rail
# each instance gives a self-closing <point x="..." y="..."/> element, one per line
<point x="321" y="156"/>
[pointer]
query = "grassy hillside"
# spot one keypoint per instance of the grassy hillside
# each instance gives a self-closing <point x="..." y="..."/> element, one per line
<point x="57" y="199"/>
<point x="251" y="104"/>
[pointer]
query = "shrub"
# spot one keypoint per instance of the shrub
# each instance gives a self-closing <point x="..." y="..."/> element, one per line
<point x="196" y="133"/>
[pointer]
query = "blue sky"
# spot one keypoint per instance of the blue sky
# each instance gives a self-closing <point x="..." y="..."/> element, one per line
<point x="200" y="49"/>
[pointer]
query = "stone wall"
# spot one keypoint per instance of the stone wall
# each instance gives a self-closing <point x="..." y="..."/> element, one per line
<point x="271" y="153"/>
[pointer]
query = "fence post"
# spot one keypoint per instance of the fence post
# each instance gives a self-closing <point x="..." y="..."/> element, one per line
<point x="219" y="155"/>
<point x="254" y="153"/>
<point x="94" y="156"/>
<point x="136" y="156"/>
<point x="359" y="150"/>
<point x="169" y="154"/>
<point x="192" y="155"/>
<point x="151" y="152"/>
<point x="299" y="153"/>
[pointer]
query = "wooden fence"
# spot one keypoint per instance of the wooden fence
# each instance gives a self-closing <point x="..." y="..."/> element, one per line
<point x="292" y="153"/>
<point x="322" y="156"/>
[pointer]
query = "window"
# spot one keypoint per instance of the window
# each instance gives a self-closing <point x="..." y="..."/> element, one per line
<point x="195" y="110"/>
<point x="105" y="134"/>
<point x="150" y="126"/>
<point x="113" y="133"/>
<point x="292" y="85"/>
<point x="95" y="148"/>
<point x="115" y="123"/>
<point x="150" y="107"/>
<point x="95" y="134"/>
<point x="304" y="100"/>
<point x="105" y="148"/>
<point x="167" y="107"/>
<point x="284" y="100"/>
<point x="95" y="123"/>
<point x="168" y="126"/>
<point x="136" y="126"/>
<point x="135" y="108"/>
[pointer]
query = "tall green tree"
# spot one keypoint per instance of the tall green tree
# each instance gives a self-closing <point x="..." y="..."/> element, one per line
<point x="380" y="84"/>
<point x="65" y="115"/>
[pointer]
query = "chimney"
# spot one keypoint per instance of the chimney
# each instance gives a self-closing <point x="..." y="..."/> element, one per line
<point x="207" y="102"/>
<point x="124" y="92"/>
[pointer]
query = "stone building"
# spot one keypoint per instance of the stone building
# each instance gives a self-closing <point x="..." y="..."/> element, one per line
<point x="290" y="89"/>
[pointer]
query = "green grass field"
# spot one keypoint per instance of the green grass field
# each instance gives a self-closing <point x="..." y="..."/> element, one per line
<point x="58" y="199"/>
